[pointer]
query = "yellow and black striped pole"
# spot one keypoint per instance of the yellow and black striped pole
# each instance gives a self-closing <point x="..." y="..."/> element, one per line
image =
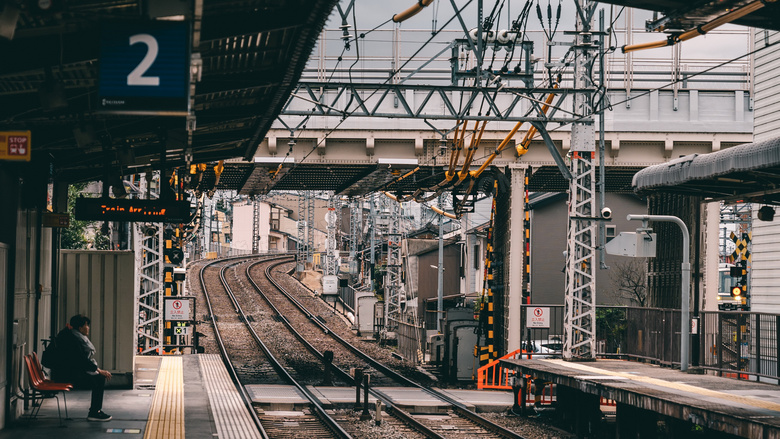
<point x="527" y="244"/>
<point x="487" y="352"/>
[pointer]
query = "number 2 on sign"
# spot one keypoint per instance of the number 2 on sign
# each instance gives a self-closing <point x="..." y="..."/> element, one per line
<point x="136" y="77"/>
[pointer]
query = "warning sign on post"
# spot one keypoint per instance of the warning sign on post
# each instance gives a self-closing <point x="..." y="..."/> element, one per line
<point x="538" y="317"/>
<point x="177" y="308"/>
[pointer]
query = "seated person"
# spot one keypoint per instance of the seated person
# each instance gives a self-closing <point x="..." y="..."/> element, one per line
<point x="78" y="365"/>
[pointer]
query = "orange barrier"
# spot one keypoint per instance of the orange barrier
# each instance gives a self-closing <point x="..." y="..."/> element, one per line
<point x="493" y="376"/>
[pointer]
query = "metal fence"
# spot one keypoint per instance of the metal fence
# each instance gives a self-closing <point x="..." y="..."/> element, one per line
<point x="410" y="342"/>
<point x="611" y="327"/>
<point x="347" y="298"/>
<point x="650" y="334"/>
<point x="740" y="344"/>
<point x="653" y="334"/>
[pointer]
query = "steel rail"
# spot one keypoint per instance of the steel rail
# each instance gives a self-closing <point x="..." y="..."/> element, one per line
<point x="391" y="408"/>
<point x="460" y="408"/>
<point x="223" y="352"/>
<point x="329" y="422"/>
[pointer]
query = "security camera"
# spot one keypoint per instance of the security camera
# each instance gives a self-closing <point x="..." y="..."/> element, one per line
<point x="606" y="213"/>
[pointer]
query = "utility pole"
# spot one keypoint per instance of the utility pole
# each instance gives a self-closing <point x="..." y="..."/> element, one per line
<point x="440" y="294"/>
<point x="579" y="339"/>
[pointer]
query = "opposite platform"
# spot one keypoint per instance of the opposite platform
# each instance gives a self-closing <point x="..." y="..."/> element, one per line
<point x="743" y="408"/>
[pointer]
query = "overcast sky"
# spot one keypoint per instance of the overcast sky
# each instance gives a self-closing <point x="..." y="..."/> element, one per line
<point x="372" y="13"/>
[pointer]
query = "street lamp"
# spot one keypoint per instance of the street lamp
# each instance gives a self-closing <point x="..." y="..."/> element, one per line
<point x="686" y="281"/>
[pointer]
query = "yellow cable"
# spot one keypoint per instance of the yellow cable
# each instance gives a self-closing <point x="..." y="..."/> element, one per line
<point x="458" y="147"/>
<point x="522" y="147"/>
<point x="472" y="151"/>
<point x="702" y="29"/>
<point x="441" y="212"/>
<point x="412" y="11"/>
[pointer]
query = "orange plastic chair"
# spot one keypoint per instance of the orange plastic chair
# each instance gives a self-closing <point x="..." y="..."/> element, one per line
<point x="43" y="388"/>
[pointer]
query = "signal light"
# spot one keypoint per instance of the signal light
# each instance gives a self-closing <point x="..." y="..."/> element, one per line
<point x="736" y="291"/>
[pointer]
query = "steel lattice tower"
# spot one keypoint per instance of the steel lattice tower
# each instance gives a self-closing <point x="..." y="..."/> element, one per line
<point x="579" y="324"/>
<point x="148" y="244"/>
<point x="310" y="227"/>
<point x="355" y="222"/>
<point x="393" y="284"/>
<point x="330" y="268"/>
<point x="301" y="253"/>
<point x="255" y="224"/>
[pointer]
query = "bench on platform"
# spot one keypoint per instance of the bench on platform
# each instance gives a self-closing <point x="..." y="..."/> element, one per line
<point x="44" y="388"/>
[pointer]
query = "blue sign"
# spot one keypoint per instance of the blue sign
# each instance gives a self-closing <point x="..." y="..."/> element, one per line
<point x="144" y="68"/>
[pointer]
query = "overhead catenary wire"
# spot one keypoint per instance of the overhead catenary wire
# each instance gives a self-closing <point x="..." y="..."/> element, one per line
<point x="398" y="69"/>
<point x="599" y="98"/>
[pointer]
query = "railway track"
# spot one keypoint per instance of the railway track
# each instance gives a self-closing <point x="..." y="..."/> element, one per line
<point x="266" y="307"/>
<point x="458" y="423"/>
<point x="240" y="337"/>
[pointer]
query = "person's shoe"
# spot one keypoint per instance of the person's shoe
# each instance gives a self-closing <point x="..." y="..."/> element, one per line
<point x="100" y="416"/>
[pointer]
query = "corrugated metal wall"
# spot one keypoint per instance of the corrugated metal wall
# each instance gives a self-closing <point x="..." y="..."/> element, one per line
<point x="99" y="284"/>
<point x="765" y="275"/>
<point x="766" y="120"/>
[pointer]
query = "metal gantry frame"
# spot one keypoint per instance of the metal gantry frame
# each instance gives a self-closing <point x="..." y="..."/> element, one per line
<point x="255" y="224"/>
<point x="310" y="228"/>
<point x="301" y="245"/>
<point x="394" y="291"/>
<point x="149" y="304"/>
<point x="355" y="232"/>
<point x="579" y="324"/>
<point x="330" y="268"/>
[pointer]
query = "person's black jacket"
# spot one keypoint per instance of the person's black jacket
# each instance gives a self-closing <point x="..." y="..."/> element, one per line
<point x="74" y="359"/>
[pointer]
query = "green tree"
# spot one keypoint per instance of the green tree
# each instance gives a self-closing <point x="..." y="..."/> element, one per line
<point x="611" y="326"/>
<point x="75" y="236"/>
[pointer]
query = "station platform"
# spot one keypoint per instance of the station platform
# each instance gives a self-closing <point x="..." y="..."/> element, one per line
<point x="737" y="407"/>
<point x="192" y="396"/>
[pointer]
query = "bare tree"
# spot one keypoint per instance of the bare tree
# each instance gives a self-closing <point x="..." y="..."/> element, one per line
<point x="629" y="280"/>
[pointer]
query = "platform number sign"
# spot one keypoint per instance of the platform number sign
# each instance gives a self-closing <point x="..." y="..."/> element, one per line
<point x="144" y="68"/>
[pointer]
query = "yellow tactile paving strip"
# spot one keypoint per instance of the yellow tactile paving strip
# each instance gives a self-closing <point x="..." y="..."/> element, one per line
<point x="166" y="416"/>
<point x="758" y="403"/>
<point x="231" y="416"/>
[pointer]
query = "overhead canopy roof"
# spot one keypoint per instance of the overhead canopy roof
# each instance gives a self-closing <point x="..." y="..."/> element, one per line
<point x="687" y="14"/>
<point x="358" y="180"/>
<point x="749" y="172"/>
<point x="252" y="51"/>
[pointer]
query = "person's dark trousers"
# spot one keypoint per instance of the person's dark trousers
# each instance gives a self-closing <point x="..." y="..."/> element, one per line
<point x="97" y="383"/>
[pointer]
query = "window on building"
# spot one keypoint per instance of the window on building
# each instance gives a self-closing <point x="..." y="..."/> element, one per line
<point x="610" y="232"/>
